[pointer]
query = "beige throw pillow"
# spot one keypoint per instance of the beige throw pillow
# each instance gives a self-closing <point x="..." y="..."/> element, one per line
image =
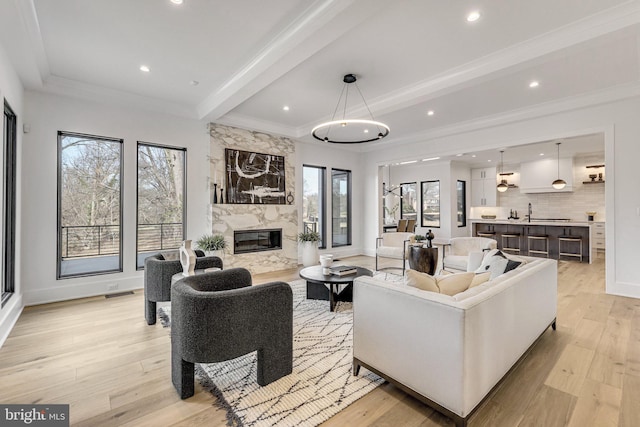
<point x="422" y="281"/>
<point x="452" y="284"/>
<point x="479" y="279"/>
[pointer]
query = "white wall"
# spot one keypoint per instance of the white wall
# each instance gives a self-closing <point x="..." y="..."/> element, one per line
<point x="618" y="121"/>
<point x="12" y="91"/>
<point x="334" y="156"/>
<point x="47" y="114"/>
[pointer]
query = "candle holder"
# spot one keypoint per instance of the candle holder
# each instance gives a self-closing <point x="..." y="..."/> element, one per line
<point x="215" y="193"/>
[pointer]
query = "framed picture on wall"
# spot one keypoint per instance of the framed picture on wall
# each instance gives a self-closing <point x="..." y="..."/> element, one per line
<point x="254" y="178"/>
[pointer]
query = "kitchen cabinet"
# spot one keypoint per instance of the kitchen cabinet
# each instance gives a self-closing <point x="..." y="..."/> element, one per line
<point x="537" y="176"/>
<point x="598" y="238"/>
<point x="483" y="187"/>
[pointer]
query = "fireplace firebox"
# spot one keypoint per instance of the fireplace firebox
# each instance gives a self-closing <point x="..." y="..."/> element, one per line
<point x="246" y="241"/>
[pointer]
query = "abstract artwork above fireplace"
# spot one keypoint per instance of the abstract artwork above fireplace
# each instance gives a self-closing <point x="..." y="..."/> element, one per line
<point x="254" y="178"/>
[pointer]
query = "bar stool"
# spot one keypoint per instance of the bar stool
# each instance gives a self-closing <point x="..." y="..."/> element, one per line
<point x="538" y="237"/>
<point x="569" y="239"/>
<point x="486" y="233"/>
<point x="505" y="241"/>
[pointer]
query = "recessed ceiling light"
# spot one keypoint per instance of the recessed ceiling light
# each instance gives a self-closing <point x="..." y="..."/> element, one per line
<point x="534" y="83"/>
<point x="459" y="154"/>
<point x="430" y="113"/>
<point x="144" y="68"/>
<point x="473" y="16"/>
<point x="408" y="162"/>
<point x="473" y="155"/>
<point x="489" y="160"/>
<point x="285" y="108"/>
<point x="430" y="158"/>
<point x="194" y="83"/>
<point x="176" y="1"/>
<point x="542" y="154"/>
<point x="366" y="131"/>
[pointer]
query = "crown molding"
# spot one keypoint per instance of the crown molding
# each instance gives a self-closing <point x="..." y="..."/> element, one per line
<point x="592" y="99"/>
<point x="27" y="12"/>
<point x="89" y="92"/>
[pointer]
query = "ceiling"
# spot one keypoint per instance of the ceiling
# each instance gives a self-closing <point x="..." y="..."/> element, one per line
<point x="251" y="58"/>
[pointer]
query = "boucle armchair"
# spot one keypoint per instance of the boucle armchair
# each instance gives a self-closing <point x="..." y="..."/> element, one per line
<point x="219" y="316"/>
<point x="393" y="246"/>
<point x="461" y="249"/>
<point x="158" y="270"/>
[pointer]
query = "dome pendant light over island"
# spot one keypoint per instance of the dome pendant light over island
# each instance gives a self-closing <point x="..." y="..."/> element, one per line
<point x="349" y="131"/>
<point x="558" y="184"/>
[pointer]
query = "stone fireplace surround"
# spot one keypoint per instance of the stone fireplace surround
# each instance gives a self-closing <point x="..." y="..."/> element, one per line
<point x="226" y="218"/>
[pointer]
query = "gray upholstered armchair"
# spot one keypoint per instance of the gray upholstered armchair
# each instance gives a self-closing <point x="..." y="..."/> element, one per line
<point x="158" y="270"/>
<point x="219" y="316"/>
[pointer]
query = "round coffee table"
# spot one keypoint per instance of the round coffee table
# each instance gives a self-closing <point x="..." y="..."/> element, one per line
<point x="316" y="281"/>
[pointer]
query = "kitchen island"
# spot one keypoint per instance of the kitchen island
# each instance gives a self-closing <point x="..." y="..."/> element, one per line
<point x="552" y="228"/>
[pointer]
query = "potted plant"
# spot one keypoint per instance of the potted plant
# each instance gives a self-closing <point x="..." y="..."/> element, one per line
<point x="212" y="244"/>
<point x="309" y="243"/>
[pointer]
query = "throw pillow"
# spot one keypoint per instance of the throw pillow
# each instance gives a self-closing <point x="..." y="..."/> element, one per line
<point x="422" y="281"/>
<point x="452" y="284"/>
<point x="484" y="266"/>
<point x="480" y="278"/>
<point x="497" y="266"/>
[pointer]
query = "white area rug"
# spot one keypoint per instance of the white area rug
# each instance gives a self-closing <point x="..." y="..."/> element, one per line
<point x="321" y="384"/>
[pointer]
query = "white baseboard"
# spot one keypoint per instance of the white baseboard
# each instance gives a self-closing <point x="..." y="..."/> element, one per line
<point x="9" y="316"/>
<point x="82" y="290"/>
<point x="631" y="290"/>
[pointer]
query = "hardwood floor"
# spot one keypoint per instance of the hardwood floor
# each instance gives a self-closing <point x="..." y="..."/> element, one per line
<point x="100" y="356"/>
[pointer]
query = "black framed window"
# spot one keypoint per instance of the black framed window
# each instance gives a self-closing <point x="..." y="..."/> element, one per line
<point x="430" y="191"/>
<point x="314" y="201"/>
<point x="461" y="203"/>
<point x="161" y="199"/>
<point x="340" y="207"/>
<point x="8" y="230"/>
<point x="89" y="205"/>
<point x="409" y="201"/>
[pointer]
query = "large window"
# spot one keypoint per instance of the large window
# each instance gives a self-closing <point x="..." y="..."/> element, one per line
<point x="161" y="199"/>
<point x="409" y="201"/>
<point x="313" y="201"/>
<point x="430" y="203"/>
<point x="461" y="205"/>
<point x="8" y="229"/>
<point x="89" y="205"/>
<point x="340" y="207"/>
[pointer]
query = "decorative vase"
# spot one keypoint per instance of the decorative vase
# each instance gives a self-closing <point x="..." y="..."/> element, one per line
<point x="309" y="253"/>
<point x="215" y="193"/>
<point x="187" y="258"/>
<point x="326" y="261"/>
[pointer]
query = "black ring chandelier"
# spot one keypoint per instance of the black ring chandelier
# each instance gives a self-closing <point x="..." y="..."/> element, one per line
<point x="349" y="131"/>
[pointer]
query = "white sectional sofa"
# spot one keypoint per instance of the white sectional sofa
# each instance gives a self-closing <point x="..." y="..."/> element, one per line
<point x="451" y="351"/>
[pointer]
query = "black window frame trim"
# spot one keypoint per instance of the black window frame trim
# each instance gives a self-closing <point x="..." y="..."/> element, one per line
<point x="323" y="233"/>
<point x="59" y="208"/>
<point x="349" y="209"/>
<point x="184" y="190"/>
<point x="10" y="148"/>
<point x="422" y="204"/>
<point x="464" y="202"/>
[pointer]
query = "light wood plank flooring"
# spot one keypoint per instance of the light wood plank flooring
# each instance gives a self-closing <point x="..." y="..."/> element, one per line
<point x="100" y="356"/>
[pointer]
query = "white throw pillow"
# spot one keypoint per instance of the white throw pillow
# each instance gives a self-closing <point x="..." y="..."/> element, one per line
<point x="497" y="266"/>
<point x="422" y="281"/>
<point x="452" y="284"/>
<point x="484" y="266"/>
